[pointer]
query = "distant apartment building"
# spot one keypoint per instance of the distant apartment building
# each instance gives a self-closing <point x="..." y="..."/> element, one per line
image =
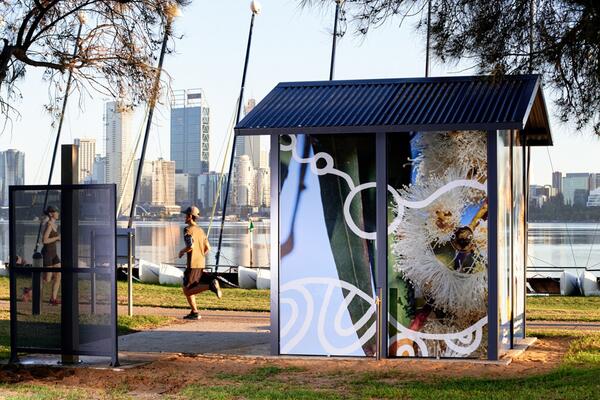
<point x="99" y="170"/>
<point x="145" y="185"/>
<point x="208" y="187"/>
<point x="575" y="188"/>
<point x="594" y="181"/>
<point x="186" y="189"/>
<point x="190" y="131"/>
<point x="594" y="198"/>
<point x="86" y="156"/>
<point x="244" y="182"/>
<point x="163" y="182"/>
<point x="557" y="181"/>
<point x="263" y="187"/>
<point x="119" y="151"/>
<point x="12" y="172"/>
<point x="538" y="195"/>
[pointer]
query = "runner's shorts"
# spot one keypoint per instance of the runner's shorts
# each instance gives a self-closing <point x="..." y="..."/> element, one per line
<point x="193" y="277"/>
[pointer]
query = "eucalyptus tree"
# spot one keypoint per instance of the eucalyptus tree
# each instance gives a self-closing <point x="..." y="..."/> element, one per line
<point x="110" y="46"/>
<point x="558" y="38"/>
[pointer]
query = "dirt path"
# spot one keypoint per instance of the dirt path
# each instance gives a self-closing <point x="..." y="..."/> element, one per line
<point x="171" y="373"/>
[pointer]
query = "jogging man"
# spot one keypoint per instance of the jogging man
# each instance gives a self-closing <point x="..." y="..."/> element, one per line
<point x="195" y="280"/>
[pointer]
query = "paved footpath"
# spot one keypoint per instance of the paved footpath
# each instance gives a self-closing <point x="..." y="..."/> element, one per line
<point x="217" y="332"/>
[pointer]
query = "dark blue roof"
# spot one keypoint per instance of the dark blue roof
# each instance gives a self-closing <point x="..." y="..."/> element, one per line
<point x="401" y="105"/>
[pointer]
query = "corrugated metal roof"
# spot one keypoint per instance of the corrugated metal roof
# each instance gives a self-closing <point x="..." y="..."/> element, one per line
<point x="400" y="105"/>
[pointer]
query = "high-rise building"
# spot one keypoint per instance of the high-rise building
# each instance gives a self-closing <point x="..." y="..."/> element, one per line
<point x="263" y="187"/>
<point x="87" y="155"/>
<point x="190" y="131"/>
<point x="186" y="189"/>
<point x="163" y="183"/>
<point x="250" y="145"/>
<point x="119" y="151"/>
<point x="145" y="186"/>
<point x="12" y="172"/>
<point x="208" y="186"/>
<point x="574" y="183"/>
<point x="594" y="198"/>
<point x="99" y="170"/>
<point x="244" y="182"/>
<point x="557" y="181"/>
<point x="594" y="181"/>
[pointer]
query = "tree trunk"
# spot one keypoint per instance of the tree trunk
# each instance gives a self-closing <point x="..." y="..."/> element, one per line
<point x="5" y="56"/>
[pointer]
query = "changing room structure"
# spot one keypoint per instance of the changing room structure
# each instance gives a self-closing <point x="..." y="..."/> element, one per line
<point x="398" y="213"/>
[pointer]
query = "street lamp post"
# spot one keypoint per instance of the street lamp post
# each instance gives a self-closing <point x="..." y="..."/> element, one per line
<point x="171" y="12"/>
<point x="255" y="8"/>
<point x="338" y="4"/>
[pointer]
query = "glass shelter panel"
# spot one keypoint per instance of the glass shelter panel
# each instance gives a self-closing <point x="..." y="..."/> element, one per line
<point x="505" y="274"/>
<point x="327" y="232"/>
<point x="63" y="292"/>
<point x="519" y="236"/>
<point x="437" y="244"/>
<point x="38" y="323"/>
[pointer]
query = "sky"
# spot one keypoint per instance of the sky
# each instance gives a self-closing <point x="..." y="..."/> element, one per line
<point x="289" y="44"/>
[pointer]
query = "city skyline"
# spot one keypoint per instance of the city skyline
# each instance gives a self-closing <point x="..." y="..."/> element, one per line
<point x="217" y="69"/>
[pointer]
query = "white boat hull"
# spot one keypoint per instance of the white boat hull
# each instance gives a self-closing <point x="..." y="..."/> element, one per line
<point x="589" y="284"/>
<point x="568" y="284"/>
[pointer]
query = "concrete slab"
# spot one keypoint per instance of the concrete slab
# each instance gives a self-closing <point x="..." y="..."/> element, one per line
<point x="216" y="333"/>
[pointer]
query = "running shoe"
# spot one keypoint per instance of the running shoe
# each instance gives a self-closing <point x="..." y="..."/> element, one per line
<point x="216" y="288"/>
<point x="192" y="316"/>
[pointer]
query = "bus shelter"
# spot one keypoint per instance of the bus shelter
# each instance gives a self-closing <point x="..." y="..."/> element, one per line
<point x="398" y="213"/>
<point x="82" y="320"/>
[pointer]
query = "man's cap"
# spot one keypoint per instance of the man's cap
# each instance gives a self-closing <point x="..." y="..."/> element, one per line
<point x="50" y="209"/>
<point x="192" y="210"/>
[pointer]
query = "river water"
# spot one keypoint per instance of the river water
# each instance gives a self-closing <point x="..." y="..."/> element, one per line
<point x="551" y="245"/>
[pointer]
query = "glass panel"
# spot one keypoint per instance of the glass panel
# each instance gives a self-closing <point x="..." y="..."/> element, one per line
<point x="327" y="231"/>
<point x="38" y="326"/>
<point x="95" y="281"/>
<point x="437" y="254"/>
<point x="67" y="306"/>
<point x="504" y="239"/>
<point x="518" y="239"/>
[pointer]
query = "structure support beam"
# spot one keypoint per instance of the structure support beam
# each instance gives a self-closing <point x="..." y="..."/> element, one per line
<point x="381" y="241"/>
<point x="274" y="164"/>
<point x="492" y="192"/>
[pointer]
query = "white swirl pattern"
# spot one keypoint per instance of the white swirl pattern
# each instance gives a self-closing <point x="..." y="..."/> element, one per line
<point x="461" y="343"/>
<point x="354" y="189"/>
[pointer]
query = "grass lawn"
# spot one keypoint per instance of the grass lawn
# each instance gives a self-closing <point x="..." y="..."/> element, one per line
<point x="558" y="308"/>
<point x="171" y="296"/>
<point x="151" y="295"/>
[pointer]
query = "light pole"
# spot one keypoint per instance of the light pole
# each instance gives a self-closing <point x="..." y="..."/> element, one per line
<point x="338" y="4"/>
<point x="171" y="11"/>
<point x="82" y="19"/>
<point x="255" y="8"/>
<point x="428" y="38"/>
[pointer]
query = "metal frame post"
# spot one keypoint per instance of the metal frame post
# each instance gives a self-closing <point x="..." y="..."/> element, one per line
<point x="70" y="255"/>
<point x="113" y="286"/>
<point x="275" y="247"/>
<point x="381" y="242"/>
<point x="93" y="273"/>
<point x="129" y="274"/>
<point x="492" y="191"/>
<point x="12" y="277"/>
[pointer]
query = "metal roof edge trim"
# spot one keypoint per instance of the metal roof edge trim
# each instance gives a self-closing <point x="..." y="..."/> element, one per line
<point x="405" y="80"/>
<point x="316" y="130"/>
